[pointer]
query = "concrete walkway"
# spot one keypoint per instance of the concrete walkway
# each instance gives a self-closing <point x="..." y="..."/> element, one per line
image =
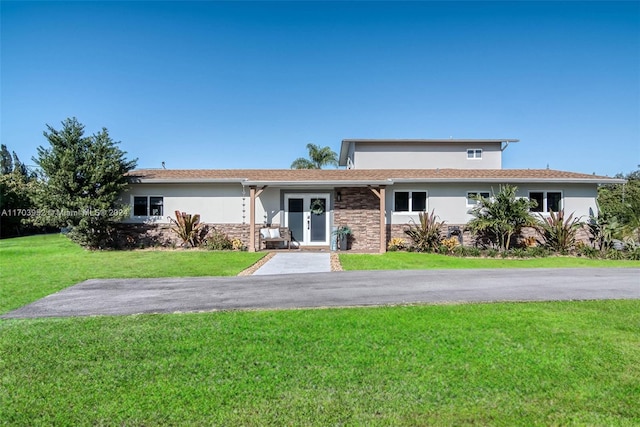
<point x="296" y="262"/>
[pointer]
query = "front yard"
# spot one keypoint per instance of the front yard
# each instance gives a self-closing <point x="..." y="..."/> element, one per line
<point x="423" y="261"/>
<point x="36" y="266"/>
<point x="552" y="363"/>
<point x="559" y="363"/>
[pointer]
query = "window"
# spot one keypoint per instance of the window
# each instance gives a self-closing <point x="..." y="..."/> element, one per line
<point x="410" y="201"/>
<point x="472" y="194"/>
<point x="547" y="201"/>
<point x="147" y="206"/>
<point x="474" y="153"/>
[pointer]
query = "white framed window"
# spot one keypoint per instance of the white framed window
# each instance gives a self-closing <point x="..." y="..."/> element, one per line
<point x="474" y="153"/>
<point x="471" y="195"/>
<point x="148" y="206"/>
<point x="547" y="201"/>
<point x="410" y="201"/>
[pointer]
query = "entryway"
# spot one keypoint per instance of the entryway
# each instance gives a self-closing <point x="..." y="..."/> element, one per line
<point x="307" y="216"/>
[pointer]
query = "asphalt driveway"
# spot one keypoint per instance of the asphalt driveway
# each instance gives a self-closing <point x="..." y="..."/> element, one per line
<point x="355" y="288"/>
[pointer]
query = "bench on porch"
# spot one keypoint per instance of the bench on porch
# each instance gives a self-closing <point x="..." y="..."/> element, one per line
<point x="274" y="235"/>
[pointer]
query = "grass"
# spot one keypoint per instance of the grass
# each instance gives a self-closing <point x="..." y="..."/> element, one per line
<point x="422" y="261"/>
<point x="560" y="363"/>
<point x="36" y="266"/>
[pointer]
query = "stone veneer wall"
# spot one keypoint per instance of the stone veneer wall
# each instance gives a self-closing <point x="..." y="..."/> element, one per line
<point x="359" y="209"/>
<point x="149" y="235"/>
<point x="397" y="230"/>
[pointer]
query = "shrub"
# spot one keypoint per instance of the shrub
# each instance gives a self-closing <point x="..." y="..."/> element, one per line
<point x="585" y="250"/>
<point x="426" y="234"/>
<point x="537" y="252"/>
<point x="518" y="253"/>
<point x="217" y="241"/>
<point x="559" y="234"/>
<point x="450" y="244"/>
<point x="237" y="245"/>
<point x="472" y="251"/>
<point x="501" y="217"/>
<point x="615" y="254"/>
<point x="396" y="244"/>
<point x="188" y="228"/>
<point x="529" y="242"/>
<point x="492" y="253"/>
<point x="603" y="231"/>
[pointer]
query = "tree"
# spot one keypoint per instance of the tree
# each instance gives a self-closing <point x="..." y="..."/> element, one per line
<point x="6" y="162"/>
<point x="318" y="158"/>
<point x="502" y="216"/>
<point x="83" y="180"/>
<point x="15" y="202"/>
<point x="620" y="203"/>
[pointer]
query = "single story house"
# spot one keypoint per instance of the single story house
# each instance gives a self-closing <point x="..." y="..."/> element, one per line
<point x="382" y="187"/>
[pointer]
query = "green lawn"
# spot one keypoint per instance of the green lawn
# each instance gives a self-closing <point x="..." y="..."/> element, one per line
<point x="562" y="363"/>
<point x="36" y="266"/>
<point x="422" y="261"/>
<point x="554" y="363"/>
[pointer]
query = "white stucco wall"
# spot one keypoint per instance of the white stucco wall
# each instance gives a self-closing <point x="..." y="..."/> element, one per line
<point x="216" y="203"/>
<point x="449" y="200"/>
<point x="425" y="156"/>
<point x="224" y="204"/>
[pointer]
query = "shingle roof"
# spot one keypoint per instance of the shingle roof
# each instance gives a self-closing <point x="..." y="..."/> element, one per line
<point x="361" y="176"/>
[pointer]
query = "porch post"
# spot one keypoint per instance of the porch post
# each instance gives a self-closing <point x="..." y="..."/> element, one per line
<point x="380" y="193"/>
<point x="252" y="218"/>
<point x="383" y="220"/>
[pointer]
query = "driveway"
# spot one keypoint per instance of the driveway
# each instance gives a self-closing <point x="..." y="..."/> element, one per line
<point x="354" y="288"/>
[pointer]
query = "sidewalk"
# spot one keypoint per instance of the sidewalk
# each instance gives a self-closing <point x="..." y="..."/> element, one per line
<point x="297" y="262"/>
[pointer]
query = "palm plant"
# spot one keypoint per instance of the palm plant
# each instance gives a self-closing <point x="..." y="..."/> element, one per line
<point x="604" y="231"/>
<point x="559" y="233"/>
<point x="501" y="217"/>
<point x="426" y="233"/>
<point x="318" y="158"/>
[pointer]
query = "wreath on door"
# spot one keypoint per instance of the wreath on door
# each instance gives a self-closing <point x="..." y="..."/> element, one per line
<point x="317" y="207"/>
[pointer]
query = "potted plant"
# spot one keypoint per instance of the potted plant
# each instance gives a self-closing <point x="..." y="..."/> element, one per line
<point x="342" y="235"/>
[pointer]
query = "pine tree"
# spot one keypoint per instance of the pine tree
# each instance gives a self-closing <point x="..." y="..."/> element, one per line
<point x="6" y="163"/>
<point x="15" y="202"/>
<point x="83" y="180"/>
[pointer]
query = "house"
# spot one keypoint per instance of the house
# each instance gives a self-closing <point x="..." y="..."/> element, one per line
<point x="383" y="186"/>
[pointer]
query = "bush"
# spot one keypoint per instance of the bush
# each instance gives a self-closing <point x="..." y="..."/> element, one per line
<point x="585" y="250"/>
<point x="615" y="254"/>
<point x="450" y="244"/>
<point x="217" y="241"/>
<point x="501" y="217"/>
<point x="492" y="253"/>
<point x="518" y="253"/>
<point x="537" y="252"/>
<point x="188" y="228"/>
<point x="472" y="251"/>
<point x="396" y="244"/>
<point x="559" y="233"/>
<point x="426" y="234"/>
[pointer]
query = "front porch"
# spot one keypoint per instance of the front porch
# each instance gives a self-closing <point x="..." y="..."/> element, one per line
<point x="311" y="215"/>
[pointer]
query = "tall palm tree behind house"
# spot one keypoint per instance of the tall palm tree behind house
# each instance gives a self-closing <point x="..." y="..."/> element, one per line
<point x="318" y="157"/>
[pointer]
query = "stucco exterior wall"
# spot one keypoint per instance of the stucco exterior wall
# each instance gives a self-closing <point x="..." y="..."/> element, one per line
<point x="425" y="156"/>
<point x="227" y="208"/>
<point x="216" y="203"/>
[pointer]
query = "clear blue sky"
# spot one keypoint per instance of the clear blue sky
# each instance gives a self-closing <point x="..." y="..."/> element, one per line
<point x="248" y="85"/>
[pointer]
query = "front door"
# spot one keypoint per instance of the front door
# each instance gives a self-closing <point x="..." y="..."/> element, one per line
<point x="307" y="216"/>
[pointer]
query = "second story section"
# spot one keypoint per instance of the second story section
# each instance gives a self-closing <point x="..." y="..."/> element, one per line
<point x="423" y="153"/>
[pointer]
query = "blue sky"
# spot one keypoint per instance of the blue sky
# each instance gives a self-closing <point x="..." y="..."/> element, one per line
<point x="248" y="84"/>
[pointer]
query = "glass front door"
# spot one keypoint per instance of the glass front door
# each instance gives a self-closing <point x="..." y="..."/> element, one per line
<point x="307" y="216"/>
